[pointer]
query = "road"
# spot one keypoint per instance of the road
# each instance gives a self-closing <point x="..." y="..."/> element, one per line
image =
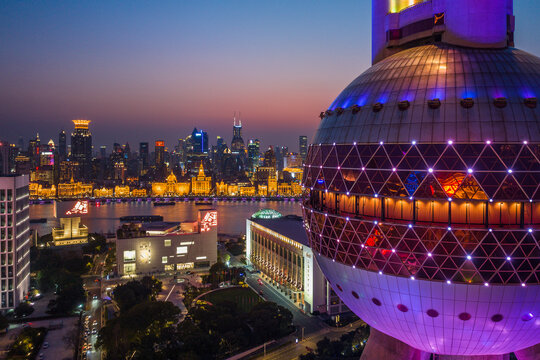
<point x="293" y="351"/>
<point x="93" y="310"/>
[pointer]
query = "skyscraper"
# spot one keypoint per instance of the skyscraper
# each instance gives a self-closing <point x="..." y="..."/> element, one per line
<point x="81" y="147"/>
<point x="424" y="178"/>
<point x="302" y="142"/>
<point x="159" y="153"/>
<point x="62" y="146"/>
<point x="143" y="154"/>
<point x="14" y="240"/>
<point x="237" y="143"/>
<point x="254" y="153"/>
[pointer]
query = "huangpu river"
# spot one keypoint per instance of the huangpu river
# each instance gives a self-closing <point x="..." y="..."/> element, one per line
<point x="105" y="218"/>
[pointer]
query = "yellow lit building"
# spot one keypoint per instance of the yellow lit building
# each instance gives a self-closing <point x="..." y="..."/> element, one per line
<point x="247" y="191"/>
<point x="103" y="193"/>
<point x="121" y="191"/>
<point x="296" y="173"/>
<point x="201" y="184"/>
<point x="272" y="185"/>
<point x="70" y="232"/>
<point x="37" y="191"/>
<point x="221" y="188"/>
<point x="74" y="190"/>
<point x="138" y="193"/>
<point x="170" y="188"/>
<point x="232" y="190"/>
<point x="262" y="190"/>
<point x="296" y="189"/>
<point x="284" y="189"/>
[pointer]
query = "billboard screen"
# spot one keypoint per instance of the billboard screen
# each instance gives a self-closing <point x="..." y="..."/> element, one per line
<point x="76" y="208"/>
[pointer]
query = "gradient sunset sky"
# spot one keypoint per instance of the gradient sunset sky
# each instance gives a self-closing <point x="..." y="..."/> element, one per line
<point x="147" y="70"/>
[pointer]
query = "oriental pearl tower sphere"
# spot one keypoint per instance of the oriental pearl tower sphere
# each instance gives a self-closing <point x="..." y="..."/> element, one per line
<point x="423" y="195"/>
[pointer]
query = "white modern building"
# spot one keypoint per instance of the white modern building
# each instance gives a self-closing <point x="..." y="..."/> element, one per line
<point x="14" y="240"/>
<point x="167" y="247"/>
<point x="278" y="246"/>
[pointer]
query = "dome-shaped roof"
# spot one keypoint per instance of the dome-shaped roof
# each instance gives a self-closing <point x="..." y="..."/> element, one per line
<point x="447" y="73"/>
<point x="267" y="214"/>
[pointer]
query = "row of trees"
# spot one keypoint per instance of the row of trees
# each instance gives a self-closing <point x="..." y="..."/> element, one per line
<point x="349" y="346"/>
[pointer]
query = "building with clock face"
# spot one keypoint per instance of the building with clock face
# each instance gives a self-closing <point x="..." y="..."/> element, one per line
<point x="168" y="247"/>
<point x="423" y="204"/>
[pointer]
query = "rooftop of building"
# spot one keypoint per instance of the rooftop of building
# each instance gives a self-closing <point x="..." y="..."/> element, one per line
<point x="144" y="229"/>
<point x="291" y="226"/>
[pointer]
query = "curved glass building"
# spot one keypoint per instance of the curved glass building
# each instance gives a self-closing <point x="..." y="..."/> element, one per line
<point x="423" y="185"/>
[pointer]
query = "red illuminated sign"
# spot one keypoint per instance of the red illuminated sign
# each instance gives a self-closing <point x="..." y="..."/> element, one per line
<point x="209" y="220"/>
<point x="81" y="207"/>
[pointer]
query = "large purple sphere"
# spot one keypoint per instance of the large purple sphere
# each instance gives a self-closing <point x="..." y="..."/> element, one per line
<point x="424" y="198"/>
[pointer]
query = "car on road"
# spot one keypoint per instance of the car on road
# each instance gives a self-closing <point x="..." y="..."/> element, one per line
<point x="45" y="345"/>
<point x="259" y="281"/>
<point x="261" y="293"/>
<point x="94" y="331"/>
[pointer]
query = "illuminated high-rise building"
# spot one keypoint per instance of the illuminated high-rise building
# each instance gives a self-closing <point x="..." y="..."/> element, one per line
<point x="424" y="186"/>
<point x="144" y="154"/>
<point x="254" y="153"/>
<point x="159" y="151"/>
<point x="237" y="143"/>
<point x="302" y="143"/>
<point x="4" y="158"/>
<point x="14" y="240"/>
<point x="62" y="146"/>
<point x="81" y="147"/>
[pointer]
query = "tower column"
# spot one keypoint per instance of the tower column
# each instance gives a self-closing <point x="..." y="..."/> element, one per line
<point x="383" y="347"/>
<point x="531" y="353"/>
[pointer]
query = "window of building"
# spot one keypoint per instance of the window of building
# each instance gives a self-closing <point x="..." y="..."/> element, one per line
<point x="129" y="255"/>
<point x="129" y="268"/>
<point x="184" y="266"/>
<point x="164" y="259"/>
<point x="167" y="242"/>
<point x="182" y="250"/>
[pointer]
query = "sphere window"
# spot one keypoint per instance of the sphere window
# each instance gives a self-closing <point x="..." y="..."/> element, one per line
<point x="402" y="308"/>
<point x="355" y="295"/>
<point x="432" y="313"/>
<point x="497" y="318"/>
<point x="376" y="301"/>
<point x="464" y="316"/>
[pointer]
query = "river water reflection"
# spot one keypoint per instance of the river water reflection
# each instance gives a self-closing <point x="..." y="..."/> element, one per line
<point x="106" y="217"/>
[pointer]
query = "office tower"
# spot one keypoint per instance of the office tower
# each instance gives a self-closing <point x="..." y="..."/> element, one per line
<point x="143" y="154"/>
<point x="14" y="240"/>
<point x="237" y="143"/>
<point x="270" y="158"/>
<point x="302" y="142"/>
<point x="81" y="147"/>
<point x="424" y="207"/>
<point x="159" y="152"/>
<point x="4" y="158"/>
<point x="103" y="151"/>
<point x="34" y="149"/>
<point x="197" y="142"/>
<point x="62" y="146"/>
<point x="253" y="154"/>
<point x="21" y="144"/>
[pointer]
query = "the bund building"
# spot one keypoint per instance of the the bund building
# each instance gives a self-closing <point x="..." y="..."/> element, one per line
<point x="424" y="200"/>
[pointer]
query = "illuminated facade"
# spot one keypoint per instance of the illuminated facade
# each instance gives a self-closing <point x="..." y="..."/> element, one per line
<point x="103" y="193"/>
<point x="81" y="147"/>
<point x="122" y="191"/>
<point x="71" y="230"/>
<point x="170" y="188"/>
<point x="424" y="199"/>
<point x="201" y="184"/>
<point x="37" y="191"/>
<point x="278" y="246"/>
<point x="74" y="190"/>
<point x="168" y="247"/>
<point x="14" y="241"/>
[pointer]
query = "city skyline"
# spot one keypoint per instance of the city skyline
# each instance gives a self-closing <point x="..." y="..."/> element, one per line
<point x="128" y="68"/>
